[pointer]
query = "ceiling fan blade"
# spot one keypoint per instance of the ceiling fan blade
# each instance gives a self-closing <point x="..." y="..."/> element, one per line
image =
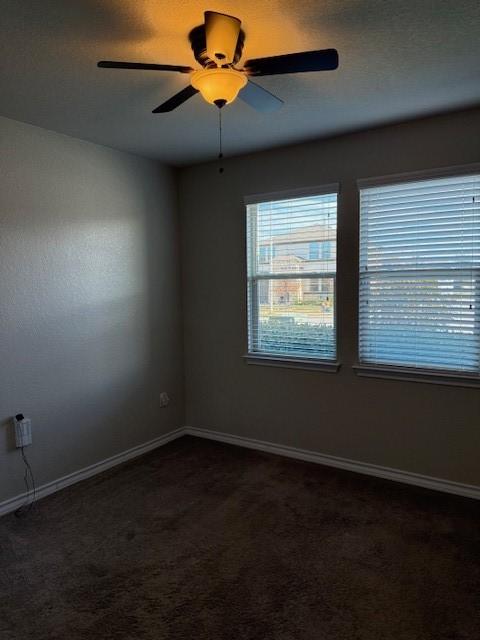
<point x="323" y="60"/>
<point x="221" y="33"/>
<point x="110" y="64"/>
<point x="259" y="98"/>
<point x="176" y="100"/>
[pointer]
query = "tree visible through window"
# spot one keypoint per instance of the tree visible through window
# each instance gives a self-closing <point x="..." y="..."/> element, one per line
<point x="291" y="276"/>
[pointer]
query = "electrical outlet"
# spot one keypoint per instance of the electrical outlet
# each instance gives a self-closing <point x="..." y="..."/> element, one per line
<point x="23" y="430"/>
<point x="164" y="400"/>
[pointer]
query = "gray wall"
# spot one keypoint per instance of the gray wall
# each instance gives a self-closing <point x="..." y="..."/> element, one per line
<point x="429" y="429"/>
<point x="90" y="318"/>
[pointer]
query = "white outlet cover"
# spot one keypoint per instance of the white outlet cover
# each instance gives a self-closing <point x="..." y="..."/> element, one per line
<point x="23" y="432"/>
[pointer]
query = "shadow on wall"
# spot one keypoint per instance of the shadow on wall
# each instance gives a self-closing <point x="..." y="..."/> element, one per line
<point x="91" y="324"/>
<point x="79" y="320"/>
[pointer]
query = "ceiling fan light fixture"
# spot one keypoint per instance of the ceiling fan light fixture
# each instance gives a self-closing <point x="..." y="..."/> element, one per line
<point x="218" y="85"/>
<point x="217" y="46"/>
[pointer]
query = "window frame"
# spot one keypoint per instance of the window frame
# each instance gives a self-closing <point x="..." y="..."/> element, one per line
<point x="428" y="375"/>
<point x="281" y="360"/>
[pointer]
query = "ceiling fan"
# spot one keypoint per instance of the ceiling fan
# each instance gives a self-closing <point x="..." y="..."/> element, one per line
<point x="217" y="46"/>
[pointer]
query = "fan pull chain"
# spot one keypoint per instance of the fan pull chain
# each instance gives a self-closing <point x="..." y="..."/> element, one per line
<point x="220" y="149"/>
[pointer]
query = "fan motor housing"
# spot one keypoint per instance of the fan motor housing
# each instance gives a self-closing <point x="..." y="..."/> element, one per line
<point x="198" y="42"/>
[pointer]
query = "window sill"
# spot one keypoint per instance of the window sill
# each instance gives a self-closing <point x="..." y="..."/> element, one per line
<point x="327" y="366"/>
<point x="428" y="376"/>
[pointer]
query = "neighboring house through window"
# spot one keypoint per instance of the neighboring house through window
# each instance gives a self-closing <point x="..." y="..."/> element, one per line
<point x="291" y="276"/>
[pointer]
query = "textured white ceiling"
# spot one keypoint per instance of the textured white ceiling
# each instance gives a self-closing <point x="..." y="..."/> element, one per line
<point x="398" y="59"/>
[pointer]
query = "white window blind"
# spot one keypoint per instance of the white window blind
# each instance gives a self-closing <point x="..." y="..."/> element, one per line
<point x="420" y="274"/>
<point x="291" y="248"/>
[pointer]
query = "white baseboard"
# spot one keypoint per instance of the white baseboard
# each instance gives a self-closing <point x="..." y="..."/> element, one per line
<point x="428" y="482"/>
<point x="437" y="484"/>
<point x="12" y="504"/>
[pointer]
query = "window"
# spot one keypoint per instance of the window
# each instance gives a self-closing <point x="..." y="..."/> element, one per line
<point x="266" y="253"/>
<point x="291" y="300"/>
<point x="420" y="274"/>
<point x="326" y="250"/>
<point x="313" y="250"/>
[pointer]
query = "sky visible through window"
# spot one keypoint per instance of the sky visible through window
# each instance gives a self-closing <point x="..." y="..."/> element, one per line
<point x="285" y="216"/>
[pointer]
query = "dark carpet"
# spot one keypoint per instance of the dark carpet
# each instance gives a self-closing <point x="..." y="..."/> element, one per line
<point x="201" y="540"/>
